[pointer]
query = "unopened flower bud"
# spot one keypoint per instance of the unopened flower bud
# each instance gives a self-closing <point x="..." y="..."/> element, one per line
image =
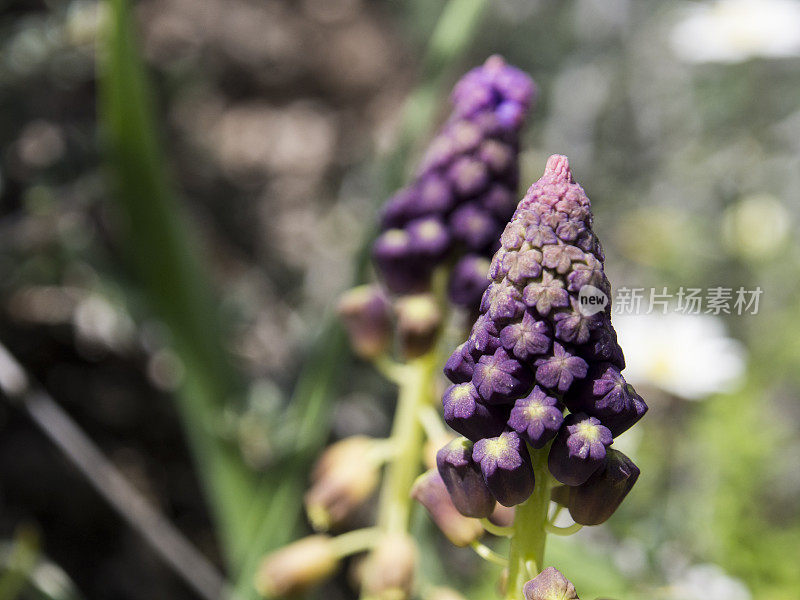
<point x="366" y="314"/>
<point x="606" y="395"/>
<point x="536" y="418"/>
<point x="499" y="377"/>
<point x="418" y="321"/>
<point x="388" y="572"/>
<point x="463" y="479"/>
<point x="460" y="366"/>
<point x="593" y="502"/>
<point x="429" y="490"/>
<point x="559" y="370"/>
<point x="506" y="467"/>
<point x="296" y="567"/>
<point x="502" y="583"/>
<point x="464" y="412"/>
<point x="342" y="480"/>
<point x="550" y="584"/>
<point x="468" y="280"/>
<point x="579" y="449"/>
<point x="402" y="270"/>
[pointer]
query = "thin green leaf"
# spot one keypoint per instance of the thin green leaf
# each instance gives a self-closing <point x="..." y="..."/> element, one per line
<point x="169" y="266"/>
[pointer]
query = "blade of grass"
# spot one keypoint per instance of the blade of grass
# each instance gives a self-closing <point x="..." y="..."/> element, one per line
<point x="170" y="268"/>
<point x="315" y="386"/>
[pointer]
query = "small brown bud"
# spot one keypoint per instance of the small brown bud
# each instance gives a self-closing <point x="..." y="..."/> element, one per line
<point x="342" y="480"/>
<point x="296" y="567"/>
<point x="388" y="573"/>
<point x="366" y="314"/>
<point x="430" y="491"/>
<point x="418" y="321"/>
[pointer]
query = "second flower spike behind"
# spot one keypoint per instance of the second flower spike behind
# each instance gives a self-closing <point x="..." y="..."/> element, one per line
<point x="465" y="189"/>
<point x="542" y="344"/>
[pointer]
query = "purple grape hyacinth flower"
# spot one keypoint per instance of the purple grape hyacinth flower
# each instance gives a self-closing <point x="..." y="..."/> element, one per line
<point x="499" y="377"/>
<point x="536" y="418"/>
<point x="546" y="294"/>
<point x="533" y="328"/>
<point x="606" y="395"/>
<point x="460" y="366"/>
<point x="484" y="338"/>
<point x="468" y="280"/>
<point x="464" y="480"/>
<point x="506" y="467"/>
<point x="559" y="370"/>
<point x="575" y="326"/>
<point x="593" y="502"/>
<point x="526" y="338"/>
<point x="579" y="449"/>
<point x="464" y="190"/>
<point x="464" y="412"/>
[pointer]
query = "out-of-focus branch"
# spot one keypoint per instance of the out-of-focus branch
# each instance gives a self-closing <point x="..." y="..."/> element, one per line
<point x="194" y="568"/>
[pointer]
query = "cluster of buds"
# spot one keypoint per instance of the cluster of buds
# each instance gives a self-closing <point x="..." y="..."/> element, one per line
<point x="369" y="317"/>
<point x="465" y="189"/>
<point x="543" y="343"/>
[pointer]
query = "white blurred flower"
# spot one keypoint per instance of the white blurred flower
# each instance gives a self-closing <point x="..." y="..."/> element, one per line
<point x="731" y="31"/>
<point x="687" y="355"/>
<point x="757" y="227"/>
<point x="708" y="582"/>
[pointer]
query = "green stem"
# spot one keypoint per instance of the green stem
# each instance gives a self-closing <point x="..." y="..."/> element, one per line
<point x="488" y="554"/>
<point x="563" y="531"/>
<point x="355" y="541"/>
<point x="526" y="555"/>
<point x="408" y="439"/>
<point x="497" y="530"/>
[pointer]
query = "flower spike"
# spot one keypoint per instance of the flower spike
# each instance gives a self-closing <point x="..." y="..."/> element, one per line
<point x="464" y="191"/>
<point x="544" y="323"/>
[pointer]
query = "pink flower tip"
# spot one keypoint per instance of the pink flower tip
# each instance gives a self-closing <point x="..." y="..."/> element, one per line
<point x="557" y="169"/>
